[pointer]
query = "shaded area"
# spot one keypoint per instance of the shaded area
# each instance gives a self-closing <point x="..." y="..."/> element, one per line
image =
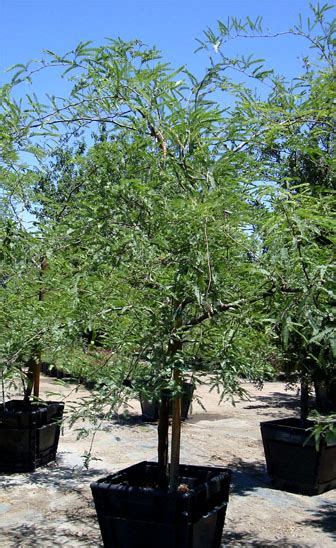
<point x="324" y="518"/>
<point x="60" y="477"/>
<point x="123" y="419"/>
<point x="231" y="538"/>
<point x="248" y="476"/>
<point x="54" y="535"/>
<point x="277" y="400"/>
<point x="64" y="526"/>
<point x="198" y="417"/>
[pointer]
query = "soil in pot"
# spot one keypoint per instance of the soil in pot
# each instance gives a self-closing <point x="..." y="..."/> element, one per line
<point x="134" y="513"/>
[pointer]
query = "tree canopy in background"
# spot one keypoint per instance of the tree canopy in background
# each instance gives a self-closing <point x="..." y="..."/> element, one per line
<point x="186" y="220"/>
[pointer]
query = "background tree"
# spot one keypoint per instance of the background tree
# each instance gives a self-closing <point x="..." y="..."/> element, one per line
<point x="292" y="138"/>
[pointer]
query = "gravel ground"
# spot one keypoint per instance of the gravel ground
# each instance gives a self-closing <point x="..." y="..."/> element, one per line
<point x="53" y="506"/>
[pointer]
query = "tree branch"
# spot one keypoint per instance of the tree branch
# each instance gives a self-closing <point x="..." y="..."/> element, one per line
<point x="224" y="307"/>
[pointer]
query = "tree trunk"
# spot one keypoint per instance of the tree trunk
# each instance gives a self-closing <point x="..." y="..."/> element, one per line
<point x="30" y="379"/>
<point x="36" y="377"/>
<point x="304" y="400"/>
<point x="175" y="344"/>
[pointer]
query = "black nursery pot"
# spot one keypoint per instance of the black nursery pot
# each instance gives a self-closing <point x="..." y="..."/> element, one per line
<point x="134" y="513"/>
<point x="293" y="463"/>
<point x="150" y="409"/>
<point x="29" y="434"/>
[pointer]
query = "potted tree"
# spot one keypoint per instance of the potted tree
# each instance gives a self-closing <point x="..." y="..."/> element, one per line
<point x="150" y="403"/>
<point x="29" y="427"/>
<point x="150" y="408"/>
<point x="159" y="214"/>
<point x="300" y="453"/>
<point x="153" y="220"/>
<point x="304" y="326"/>
<point x="298" y="255"/>
<point x="293" y="142"/>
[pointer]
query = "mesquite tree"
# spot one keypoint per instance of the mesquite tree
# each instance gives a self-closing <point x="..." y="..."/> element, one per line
<point x="146" y="209"/>
<point x="152" y="221"/>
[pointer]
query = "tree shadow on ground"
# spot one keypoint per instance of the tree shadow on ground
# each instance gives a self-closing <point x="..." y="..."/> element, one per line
<point x="61" y="477"/>
<point x="55" y="534"/>
<point x="131" y="420"/>
<point x="125" y="419"/>
<point x="243" y="538"/>
<point x="275" y="401"/>
<point x="64" y="524"/>
<point x="198" y="417"/>
<point x="128" y="419"/>
<point x="324" y="518"/>
<point x="248" y="476"/>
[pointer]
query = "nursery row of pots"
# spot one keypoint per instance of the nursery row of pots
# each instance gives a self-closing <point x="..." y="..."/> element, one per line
<point x="149" y="408"/>
<point x="134" y="511"/>
<point x="57" y="373"/>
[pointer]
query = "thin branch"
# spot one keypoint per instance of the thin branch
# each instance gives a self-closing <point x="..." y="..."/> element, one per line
<point x="208" y="258"/>
<point x="108" y="119"/>
<point x="12" y="358"/>
<point x="224" y="307"/>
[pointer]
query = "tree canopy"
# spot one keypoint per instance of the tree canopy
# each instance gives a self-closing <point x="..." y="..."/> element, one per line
<point x="187" y="220"/>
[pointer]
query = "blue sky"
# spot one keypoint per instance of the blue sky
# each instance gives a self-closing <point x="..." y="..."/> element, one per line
<point x="29" y="26"/>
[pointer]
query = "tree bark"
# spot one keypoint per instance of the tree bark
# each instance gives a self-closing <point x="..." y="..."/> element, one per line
<point x="304" y="400"/>
<point x="30" y="379"/>
<point x="174" y="347"/>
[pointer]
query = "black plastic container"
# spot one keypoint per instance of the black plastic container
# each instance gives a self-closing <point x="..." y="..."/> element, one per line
<point x="29" y="434"/>
<point x="150" y="409"/>
<point x="66" y="376"/>
<point x="54" y="372"/>
<point x="293" y="462"/>
<point x="134" y="513"/>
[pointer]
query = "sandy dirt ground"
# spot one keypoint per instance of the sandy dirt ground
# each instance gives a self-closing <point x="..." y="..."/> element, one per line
<point x="52" y="507"/>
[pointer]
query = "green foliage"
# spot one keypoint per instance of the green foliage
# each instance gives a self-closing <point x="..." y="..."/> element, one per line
<point x="187" y="220"/>
<point x="324" y="429"/>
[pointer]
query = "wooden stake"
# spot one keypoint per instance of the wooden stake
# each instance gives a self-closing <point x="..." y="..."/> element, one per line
<point x="163" y="428"/>
<point x="175" y="345"/>
<point x="36" y="368"/>
<point x="36" y="378"/>
<point x="175" y="446"/>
